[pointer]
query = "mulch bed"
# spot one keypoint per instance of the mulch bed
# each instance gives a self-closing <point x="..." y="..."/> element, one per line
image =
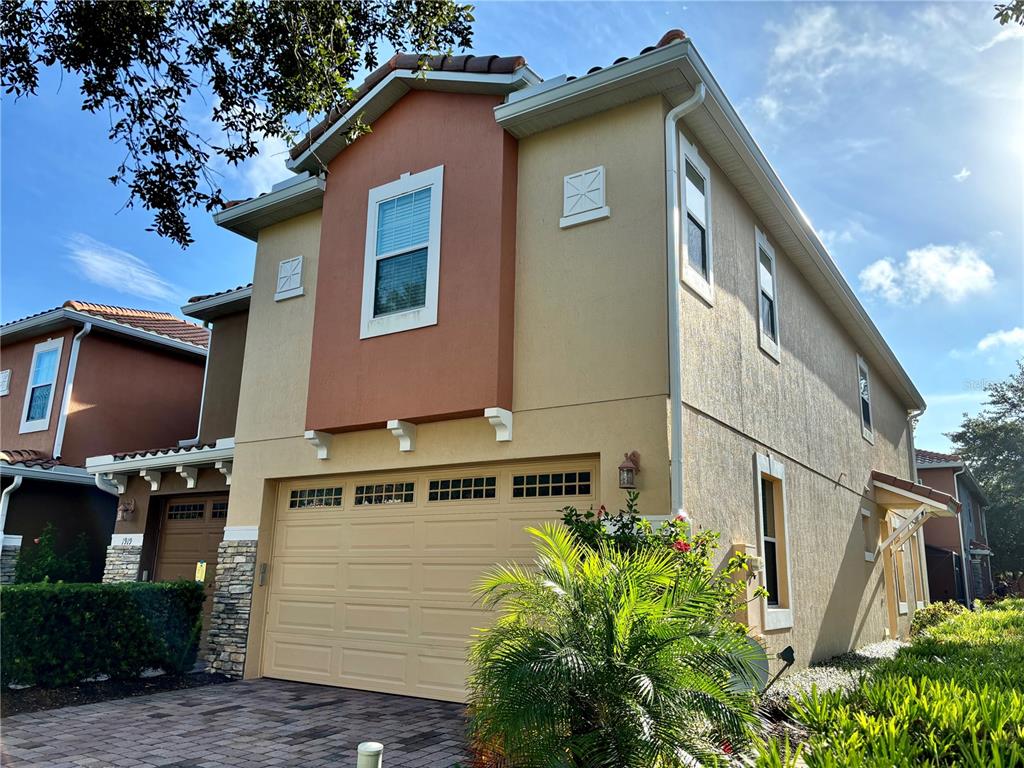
<point x="19" y="701"/>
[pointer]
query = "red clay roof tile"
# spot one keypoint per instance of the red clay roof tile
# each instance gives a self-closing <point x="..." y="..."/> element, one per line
<point x="28" y="457"/>
<point x="916" y="488"/>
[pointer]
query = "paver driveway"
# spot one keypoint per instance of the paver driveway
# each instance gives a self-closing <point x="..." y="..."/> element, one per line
<point x="254" y="723"/>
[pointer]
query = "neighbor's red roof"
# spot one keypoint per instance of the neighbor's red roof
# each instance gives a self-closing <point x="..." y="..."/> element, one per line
<point x="205" y="296"/>
<point x="916" y="488"/>
<point x="27" y="457"/>
<point x="163" y="323"/>
<point x="933" y="457"/>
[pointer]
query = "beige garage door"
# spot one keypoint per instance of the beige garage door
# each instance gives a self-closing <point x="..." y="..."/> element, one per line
<point x="371" y="575"/>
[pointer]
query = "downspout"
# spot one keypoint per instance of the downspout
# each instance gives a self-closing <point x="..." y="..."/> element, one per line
<point x="105" y="485"/>
<point x="674" y="240"/>
<point x="62" y="421"/>
<point x="965" y="556"/>
<point x="5" y="499"/>
<point x="912" y="417"/>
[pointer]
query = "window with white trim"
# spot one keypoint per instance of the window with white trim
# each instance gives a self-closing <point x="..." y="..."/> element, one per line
<point x="773" y="543"/>
<point x="5" y="382"/>
<point x="767" y="291"/>
<point x="864" y="400"/>
<point x="289" y="279"/>
<point x="900" y="572"/>
<point x="42" y="380"/>
<point x="698" y="264"/>
<point x="870" y="535"/>
<point x="403" y="254"/>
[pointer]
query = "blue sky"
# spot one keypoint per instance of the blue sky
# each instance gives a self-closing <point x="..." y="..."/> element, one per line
<point x="898" y="127"/>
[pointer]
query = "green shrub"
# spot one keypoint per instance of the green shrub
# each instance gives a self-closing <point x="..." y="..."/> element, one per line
<point x="933" y="614"/>
<point x="59" y="634"/>
<point x="42" y="562"/>
<point x="602" y="657"/>
<point x="954" y="697"/>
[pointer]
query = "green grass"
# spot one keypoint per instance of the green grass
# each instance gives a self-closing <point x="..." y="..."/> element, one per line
<point x="954" y="697"/>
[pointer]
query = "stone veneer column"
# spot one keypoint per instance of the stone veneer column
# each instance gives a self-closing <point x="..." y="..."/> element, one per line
<point x="8" y="558"/>
<point x="232" y="602"/>
<point x="124" y="557"/>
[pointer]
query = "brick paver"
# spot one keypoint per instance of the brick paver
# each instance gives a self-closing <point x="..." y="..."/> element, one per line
<point x="252" y="723"/>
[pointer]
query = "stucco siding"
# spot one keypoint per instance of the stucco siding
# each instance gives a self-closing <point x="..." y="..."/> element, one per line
<point x="223" y="377"/>
<point x="17" y="357"/>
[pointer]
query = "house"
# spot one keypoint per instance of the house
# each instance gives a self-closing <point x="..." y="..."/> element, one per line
<point x="461" y="322"/>
<point x="959" y="557"/>
<point x="177" y="494"/>
<point x="77" y="380"/>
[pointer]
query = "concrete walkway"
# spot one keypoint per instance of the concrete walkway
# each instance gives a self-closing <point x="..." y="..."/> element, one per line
<point x="254" y="723"/>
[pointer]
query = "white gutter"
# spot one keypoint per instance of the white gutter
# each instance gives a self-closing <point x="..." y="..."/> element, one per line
<point x="672" y="251"/>
<point x="5" y="499"/>
<point x="912" y="417"/>
<point x="222" y="450"/>
<point x="57" y="474"/>
<point x="105" y="485"/>
<point x="69" y="383"/>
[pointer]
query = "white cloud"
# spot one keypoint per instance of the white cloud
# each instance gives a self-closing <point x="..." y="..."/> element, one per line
<point x="950" y="272"/>
<point x="1012" y="338"/>
<point x="113" y="268"/>
<point x="258" y="174"/>
<point x="1011" y="32"/>
<point x="961" y="177"/>
<point x="849" y="233"/>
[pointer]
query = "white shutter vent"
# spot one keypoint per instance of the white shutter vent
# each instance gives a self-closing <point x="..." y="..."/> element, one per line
<point x="5" y="382"/>
<point x="583" y="197"/>
<point x="289" y="279"/>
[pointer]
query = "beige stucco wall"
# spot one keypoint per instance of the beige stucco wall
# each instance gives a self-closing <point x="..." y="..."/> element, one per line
<point x="802" y="410"/>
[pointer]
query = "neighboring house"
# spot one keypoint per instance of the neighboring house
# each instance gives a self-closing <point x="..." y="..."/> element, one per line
<point x="482" y="305"/>
<point x="178" y="494"/>
<point x="78" y="380"/>
<point x="959" y="557"/>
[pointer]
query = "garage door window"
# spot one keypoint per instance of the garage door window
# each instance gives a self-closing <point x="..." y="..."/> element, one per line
<point x="462" y="489"/>
<point x="192" y="511"/>
<point x="384" y="493"/>
<point x="219" y="510"/>
<point x="551" y="484"/>
<point x="303" y="498"/>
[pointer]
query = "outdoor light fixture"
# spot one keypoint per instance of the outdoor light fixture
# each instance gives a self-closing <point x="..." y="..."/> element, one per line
<point x="628" y="469"/>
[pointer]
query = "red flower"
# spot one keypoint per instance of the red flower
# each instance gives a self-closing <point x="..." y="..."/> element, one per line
<point x="35" y="541"/>
<point x="682" y="517"/>
<point x="601" y="512"/>
<point x="727" y="747"/>
<point x="681" y="546"/>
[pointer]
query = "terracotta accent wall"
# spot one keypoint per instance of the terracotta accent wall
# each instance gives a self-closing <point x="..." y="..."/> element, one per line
<point x="223" y="377"/>
<point x="18" y="358"/>
<point x="130" y="397"/>
<point x="941" y="531"/>
<point x="464" y="363"/>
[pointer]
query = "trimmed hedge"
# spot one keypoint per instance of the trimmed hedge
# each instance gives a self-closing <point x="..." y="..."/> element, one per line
<point x="60" y="634"/>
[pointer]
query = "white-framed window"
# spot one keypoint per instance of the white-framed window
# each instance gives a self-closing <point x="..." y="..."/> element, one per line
<point x="42" y="380"/>
<point x="773" y="543"/>
<point x="900" y="572"/>
<point x="289" y="279"/>
<point x="864" y="400"/>
<point x="916" y="560"/>
<point x="403" y="254"/>
<point x="767" y="295"/>
<point x="698" y="264"/>
<point x="583" y="197"/>
<point x="870" y="537"/>
<point x="5" y="382"/>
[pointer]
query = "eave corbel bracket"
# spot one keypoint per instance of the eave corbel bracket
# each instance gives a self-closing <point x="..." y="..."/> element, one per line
<point x="405" y="432"/>
<point x="224" y="467"/>
<point x="152" y="477"/>
<point x="501" y="420"/>
<point x="321" y="441"/>
<point x="191" y="474"/>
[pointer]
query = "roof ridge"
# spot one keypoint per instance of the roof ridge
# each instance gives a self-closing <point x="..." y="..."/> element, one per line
<point x="112" y="309"/>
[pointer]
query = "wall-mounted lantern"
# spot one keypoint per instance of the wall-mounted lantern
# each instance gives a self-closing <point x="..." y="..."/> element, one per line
<point x="628" y="469"/>
<point x="126" y="510"/>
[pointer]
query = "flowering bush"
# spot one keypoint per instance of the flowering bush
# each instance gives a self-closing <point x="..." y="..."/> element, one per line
<point x="628" y="531"/>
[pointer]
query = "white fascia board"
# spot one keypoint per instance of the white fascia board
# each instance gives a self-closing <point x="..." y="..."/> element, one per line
<point x="395" y="85"/>
<point x="248" y="218"/>
<point x="941" y="510"/>
<point x="618" y="82"/>
<point x="41" y="323"/>
<point x="189" y="457"/>
<point x="56" y="474"/>
<point x="216" y="305"/>
<point x="943" y="465"/>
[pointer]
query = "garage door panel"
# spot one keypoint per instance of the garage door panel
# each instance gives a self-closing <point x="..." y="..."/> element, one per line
<point x="293" y="615"/>
<point x="380" y="597"/>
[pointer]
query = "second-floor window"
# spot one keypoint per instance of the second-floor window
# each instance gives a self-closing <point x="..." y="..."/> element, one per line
<point x="698" y="264"/>
<point x="403" y="252"/>
<point x="42" y="380"/>
<point x="767" y="303"/>
<point x="864" y="400"/>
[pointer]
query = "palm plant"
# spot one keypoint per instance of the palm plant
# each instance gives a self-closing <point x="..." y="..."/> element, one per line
<point x="600" y="657"/>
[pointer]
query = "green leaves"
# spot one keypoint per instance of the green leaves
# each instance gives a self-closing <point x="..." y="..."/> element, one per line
<point x="258" y="63"/>
<point x="604" y="657"/>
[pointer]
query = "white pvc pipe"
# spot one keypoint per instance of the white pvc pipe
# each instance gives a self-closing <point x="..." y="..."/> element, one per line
<point x="69" y="383"/>
<point x="370" y="754"/>
<point x="674" y="240"/>
<point x="5" y="499"/>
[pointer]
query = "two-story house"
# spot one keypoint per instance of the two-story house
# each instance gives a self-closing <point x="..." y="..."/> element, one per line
<point x="78" y="380"/>
<point x="178" y="493"/>
<point x="959" y="557"/>
<point x="462" y="321"/>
